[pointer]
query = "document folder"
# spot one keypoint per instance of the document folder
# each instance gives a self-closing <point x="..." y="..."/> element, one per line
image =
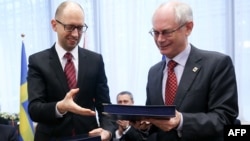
<point x="138" y="112"/>
<point x="82" y="138"/>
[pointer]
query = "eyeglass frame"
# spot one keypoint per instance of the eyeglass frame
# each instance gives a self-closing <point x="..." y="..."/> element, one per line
<point x="73" y="27"/>
<point x="165" y="32"/>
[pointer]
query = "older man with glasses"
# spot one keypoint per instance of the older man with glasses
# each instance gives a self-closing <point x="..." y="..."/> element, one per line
<point x="200" y="83"/>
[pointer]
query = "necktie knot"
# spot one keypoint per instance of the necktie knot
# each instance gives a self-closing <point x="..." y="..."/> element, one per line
<point x="172" y="64"/>
<point x="68" y="56"/>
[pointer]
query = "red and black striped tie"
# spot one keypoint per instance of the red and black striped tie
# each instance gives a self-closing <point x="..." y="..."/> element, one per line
<point x="70" y="71"/>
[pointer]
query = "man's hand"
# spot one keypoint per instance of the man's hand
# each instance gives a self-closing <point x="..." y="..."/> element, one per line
<point x="68" y="105"/>
<point x="123" y="124"/>
<point x="167" y="124"/>
<point x="141" y="125"/>
<point x="105" y="135"/>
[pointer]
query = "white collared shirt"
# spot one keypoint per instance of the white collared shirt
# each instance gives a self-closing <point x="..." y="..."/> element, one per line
<point x="181" y="59"/>
<point x="61" y="52"/>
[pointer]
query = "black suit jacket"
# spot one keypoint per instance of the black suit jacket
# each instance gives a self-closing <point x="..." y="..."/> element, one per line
<point x="206" y="96"/>
<point x="133" y="134"/>
<point x="8" y="133"/>
<point x="47" y="85"/>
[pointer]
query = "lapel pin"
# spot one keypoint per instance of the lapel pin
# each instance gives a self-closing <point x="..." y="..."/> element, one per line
<point x="195" y="69"/>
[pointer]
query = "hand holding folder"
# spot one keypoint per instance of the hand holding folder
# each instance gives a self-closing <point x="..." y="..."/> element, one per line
<point x="138" y="112"/>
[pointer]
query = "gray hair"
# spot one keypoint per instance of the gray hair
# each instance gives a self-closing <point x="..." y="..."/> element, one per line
<point x="183" y="12"/>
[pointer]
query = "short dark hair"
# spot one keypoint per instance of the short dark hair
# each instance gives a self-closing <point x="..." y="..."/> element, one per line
<point x="126" y="92"/>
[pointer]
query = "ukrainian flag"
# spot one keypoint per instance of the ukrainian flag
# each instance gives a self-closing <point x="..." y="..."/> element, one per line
<point x="26" y="128"/>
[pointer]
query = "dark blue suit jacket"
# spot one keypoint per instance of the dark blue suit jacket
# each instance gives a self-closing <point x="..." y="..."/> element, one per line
<point x="206" y="96"/>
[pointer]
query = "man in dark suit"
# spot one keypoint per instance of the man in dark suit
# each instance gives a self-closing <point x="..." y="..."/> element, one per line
<point x="63" y="110"/>
<point x="206" y="95"/>
<point x="129" y="130"/>
<point x="7" y="132"/>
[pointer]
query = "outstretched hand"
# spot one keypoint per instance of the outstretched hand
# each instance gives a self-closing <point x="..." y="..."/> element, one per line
<point x="68" y="105"/>
<point x="105" y="134"/>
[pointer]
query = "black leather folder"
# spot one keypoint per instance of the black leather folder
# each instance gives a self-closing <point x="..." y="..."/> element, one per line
<point x="138" y="112"/>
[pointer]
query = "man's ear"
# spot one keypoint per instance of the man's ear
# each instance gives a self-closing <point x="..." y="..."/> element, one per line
<point x="53" y="24"/>
<point x="189" y="27"/>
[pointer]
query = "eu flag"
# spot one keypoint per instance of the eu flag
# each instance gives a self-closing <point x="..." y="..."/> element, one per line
<point x="26" y="128"/>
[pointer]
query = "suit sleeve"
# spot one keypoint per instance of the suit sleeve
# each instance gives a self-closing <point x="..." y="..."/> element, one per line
<point x="102" y="96"/>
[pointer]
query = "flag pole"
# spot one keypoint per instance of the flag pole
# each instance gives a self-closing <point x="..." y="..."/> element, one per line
<point x="26" y="128"/>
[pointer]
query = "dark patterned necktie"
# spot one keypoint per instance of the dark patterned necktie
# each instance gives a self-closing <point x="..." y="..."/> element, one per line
<point x="70" y="71"/>
<point x="171" y="85"/>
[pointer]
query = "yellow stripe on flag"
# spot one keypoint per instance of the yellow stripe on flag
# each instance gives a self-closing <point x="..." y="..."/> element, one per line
<point x="26" y="128"/>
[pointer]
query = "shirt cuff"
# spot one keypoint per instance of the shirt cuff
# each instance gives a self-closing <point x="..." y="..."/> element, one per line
<point x="58" y="114"/>
<point x="179" y="128"/>
<point x="126" y="130"/>
<point x="117" y="136"/>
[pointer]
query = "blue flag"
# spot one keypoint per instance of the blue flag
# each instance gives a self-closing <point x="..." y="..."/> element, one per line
<point x="26" y="128"/>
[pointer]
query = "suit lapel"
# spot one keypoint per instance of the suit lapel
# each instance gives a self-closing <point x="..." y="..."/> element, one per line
<point x="57" y="68"/>
<point x="82" y="66"/>
<point x="190" y="72"/>
<point x="157" y="80"/>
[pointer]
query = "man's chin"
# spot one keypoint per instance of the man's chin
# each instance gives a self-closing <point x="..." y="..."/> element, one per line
<point x="163" y="51"/>
<point x="72" y="45"/>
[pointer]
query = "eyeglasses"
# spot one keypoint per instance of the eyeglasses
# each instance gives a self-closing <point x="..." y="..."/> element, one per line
<point x="70" y="28"/>
<point x="165" y="33"/>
